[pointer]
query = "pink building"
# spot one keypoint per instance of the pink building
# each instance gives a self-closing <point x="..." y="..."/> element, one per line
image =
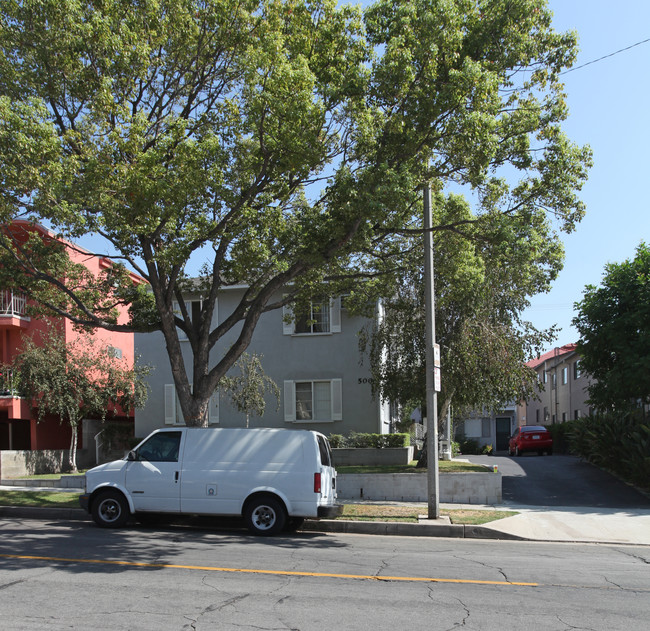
<point x="19" y="429"/>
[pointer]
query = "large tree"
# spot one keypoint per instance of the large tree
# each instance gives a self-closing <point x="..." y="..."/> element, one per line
<point x="483" y="280"/>
<point x="282" y="143"/>
<point x="614" y="325"/>
<point x="76" y="380"/>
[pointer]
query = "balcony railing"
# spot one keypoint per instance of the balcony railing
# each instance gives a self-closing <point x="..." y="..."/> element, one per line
<point x="7" y="384"/>
<point x="12" y="304"/>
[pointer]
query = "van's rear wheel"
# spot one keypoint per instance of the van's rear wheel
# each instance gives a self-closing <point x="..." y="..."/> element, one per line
<point x="110" y="509"/>
<point x="265" y="515"/>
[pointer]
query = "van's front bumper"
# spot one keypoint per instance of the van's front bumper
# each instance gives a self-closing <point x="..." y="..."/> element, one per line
<point x="84" y="501"/>
<point x="330" y="512"/>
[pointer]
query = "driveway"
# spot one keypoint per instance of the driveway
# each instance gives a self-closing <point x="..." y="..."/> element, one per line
<point x="561" y="481"/>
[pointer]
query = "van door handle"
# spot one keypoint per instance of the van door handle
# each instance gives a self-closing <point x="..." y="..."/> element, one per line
<point x="176" y="476"/>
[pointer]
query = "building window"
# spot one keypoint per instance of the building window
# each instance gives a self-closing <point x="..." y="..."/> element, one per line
<point x="546" y="416"/>
<point x="553" y="380"/>
<point x="537" y="416"/>
<point x="576" y="414"/>
<point x="323" y="317"/>
<point x="577" y="371"/>
<point x="317" y="320"/>
<point x="564" y="417"/>
<point x="545" y="377"/>
<point x="114" y="352"/>
<point x="308" y="401"/>
<point x="565" y="375"/>
<point x="486" y="428"/>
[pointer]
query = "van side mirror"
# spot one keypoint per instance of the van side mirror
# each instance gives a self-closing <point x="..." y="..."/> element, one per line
<point x="132" y="455"/>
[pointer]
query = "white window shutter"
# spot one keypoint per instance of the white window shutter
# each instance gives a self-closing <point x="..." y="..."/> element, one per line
<point x="213" y="408"/>
<point x="170" y="404"/>
<point x="335" y="315"/>
<point x="287" y="327"/>
<point x="337" y="399"/>
<point x="289" y="401"/>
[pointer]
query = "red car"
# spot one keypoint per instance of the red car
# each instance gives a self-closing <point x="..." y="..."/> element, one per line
<point x="530" y="438"/>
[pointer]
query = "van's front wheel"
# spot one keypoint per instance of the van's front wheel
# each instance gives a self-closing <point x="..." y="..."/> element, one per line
<point x="110" y="509"/>
<point x="264" y="515"/>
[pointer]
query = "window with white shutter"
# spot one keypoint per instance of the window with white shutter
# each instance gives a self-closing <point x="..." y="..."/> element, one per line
<point x="313" y="401"/>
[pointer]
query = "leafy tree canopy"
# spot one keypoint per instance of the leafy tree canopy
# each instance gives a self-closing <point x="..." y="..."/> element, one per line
<point x="614" y="325"/>
<point x="76" y="380"/>
<point x="481" y="285"/>
<point x="282" y="142"/>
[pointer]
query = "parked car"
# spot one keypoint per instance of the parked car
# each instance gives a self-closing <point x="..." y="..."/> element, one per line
<point x="530" y="438"/>
<point x="273" y="478"/>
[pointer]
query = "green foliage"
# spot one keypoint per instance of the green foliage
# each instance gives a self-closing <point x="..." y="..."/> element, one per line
<point x="482" y="285"/>
<point x="617" y="442"/>
<point x="614" y="325"/>
<point x="561" y="434"/>
<point x="247" y="388"/>
<point x="468" y="446"/>
<point x="362" y="440"/>
<point x="76" y="380"/>
<point x="487" y="450"/>
<point x="282" y="142"/>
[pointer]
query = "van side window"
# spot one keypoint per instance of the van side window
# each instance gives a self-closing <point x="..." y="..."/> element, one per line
<point x="324" y="449"/>
<point x="161" y="447"/>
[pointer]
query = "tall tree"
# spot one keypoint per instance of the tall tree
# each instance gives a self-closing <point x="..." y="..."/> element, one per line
<point x="76" y="380"/>
<point x="282" y="142"/>
<point x="483" y="280"/>
<point x="614" y="325"/>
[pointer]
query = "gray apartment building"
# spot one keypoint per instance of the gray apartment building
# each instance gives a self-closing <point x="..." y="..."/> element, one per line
<point x="562" y="389"/>
<point x="314" y="360"/>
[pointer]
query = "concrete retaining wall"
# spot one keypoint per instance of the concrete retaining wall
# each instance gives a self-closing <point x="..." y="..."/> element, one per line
<point x="457" y="488"/>
<point x="15" y="463"/>
<point x="368" y="456"/>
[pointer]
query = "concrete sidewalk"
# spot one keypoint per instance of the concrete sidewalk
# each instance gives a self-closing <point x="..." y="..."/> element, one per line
<point x="533" y="523"/>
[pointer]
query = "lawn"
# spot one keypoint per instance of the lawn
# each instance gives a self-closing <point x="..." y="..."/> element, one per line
<point x="355" y="512"/>
<point x="409" y="513"/>
<point x="40" y="498"/>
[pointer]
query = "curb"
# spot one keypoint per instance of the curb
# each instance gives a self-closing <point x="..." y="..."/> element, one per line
<point x="399" y="529"/>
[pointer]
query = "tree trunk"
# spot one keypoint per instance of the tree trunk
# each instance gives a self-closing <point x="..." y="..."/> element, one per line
<point x="72" y="455"/>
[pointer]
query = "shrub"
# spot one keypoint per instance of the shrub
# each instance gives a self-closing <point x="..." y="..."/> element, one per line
<point x="364" y="441"/>
<point x="561" y="433"/>
<point x="337" y="440"/>
<point x="618" y="442"/>
<point x="469" y="446"/>
<point x="487" y="450"/>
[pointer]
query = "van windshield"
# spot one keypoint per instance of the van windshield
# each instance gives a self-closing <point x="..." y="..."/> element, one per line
<point x="161" y="447"/>
<point x="325" y="452"/>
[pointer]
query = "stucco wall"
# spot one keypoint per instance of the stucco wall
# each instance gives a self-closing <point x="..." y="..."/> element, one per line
<point x="460" y="488"/>
<point x="285" y="357"/>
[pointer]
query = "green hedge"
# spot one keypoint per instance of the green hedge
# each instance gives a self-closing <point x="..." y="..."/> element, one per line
<point x="365" y="441"/>
<point x="618" y="442"/>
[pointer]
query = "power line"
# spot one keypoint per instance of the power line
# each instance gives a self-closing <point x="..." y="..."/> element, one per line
<point x="606" y="56"/>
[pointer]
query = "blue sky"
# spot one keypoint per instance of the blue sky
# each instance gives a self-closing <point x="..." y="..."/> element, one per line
<point x="609" y="110"/>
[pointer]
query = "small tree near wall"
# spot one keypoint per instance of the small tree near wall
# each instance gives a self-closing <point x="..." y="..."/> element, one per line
<point x="76" y="380"/>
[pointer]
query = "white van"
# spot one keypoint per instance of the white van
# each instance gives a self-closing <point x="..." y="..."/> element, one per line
<point x="273" y="478"/>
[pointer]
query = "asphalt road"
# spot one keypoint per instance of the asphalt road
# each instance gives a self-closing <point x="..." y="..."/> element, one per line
<point x="77" y="576"/>
<point x="561" y="481"/>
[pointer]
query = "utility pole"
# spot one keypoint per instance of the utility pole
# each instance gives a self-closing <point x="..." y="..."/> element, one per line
<point x="432" y="362"/>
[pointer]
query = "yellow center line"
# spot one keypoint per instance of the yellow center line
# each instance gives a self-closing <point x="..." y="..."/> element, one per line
<point x="207" y="568"/>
